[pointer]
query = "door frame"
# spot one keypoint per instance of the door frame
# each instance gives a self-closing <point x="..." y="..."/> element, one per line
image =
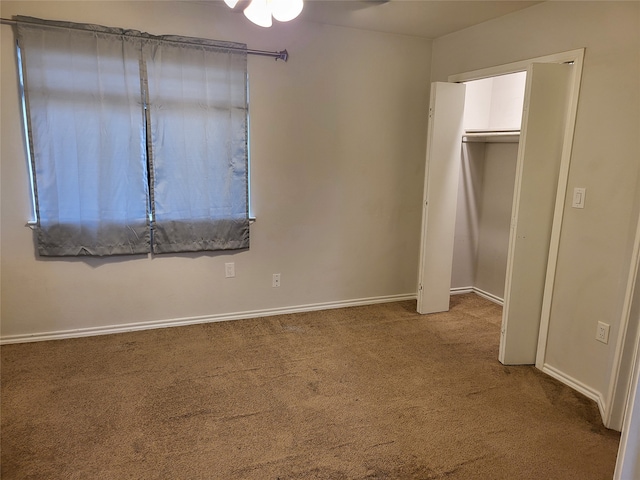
<point x="624" y="352"/>
<point x="629" y="450"/>
<point x="577" y="58"/>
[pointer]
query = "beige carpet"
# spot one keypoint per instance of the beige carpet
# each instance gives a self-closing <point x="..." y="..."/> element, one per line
<point x="376" y="392"/>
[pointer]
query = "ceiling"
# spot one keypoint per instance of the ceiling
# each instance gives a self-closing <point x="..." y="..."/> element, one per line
<point x="422" y="18"/>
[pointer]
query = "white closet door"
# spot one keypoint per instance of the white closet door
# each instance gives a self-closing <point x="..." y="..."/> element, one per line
<point x="446" y="109"/>
<point x="543" y="128"/>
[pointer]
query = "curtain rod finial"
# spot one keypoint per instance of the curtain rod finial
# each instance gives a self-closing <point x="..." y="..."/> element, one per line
<point x="283" y="55"/>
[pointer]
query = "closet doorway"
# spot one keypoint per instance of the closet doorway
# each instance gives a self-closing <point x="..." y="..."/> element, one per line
<point x="549" y="104"/>
<point x="491" y="122"/>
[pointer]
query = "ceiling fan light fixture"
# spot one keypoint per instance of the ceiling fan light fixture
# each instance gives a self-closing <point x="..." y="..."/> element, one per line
<point x="259" y="13"/>
<point x="286" y="10"/>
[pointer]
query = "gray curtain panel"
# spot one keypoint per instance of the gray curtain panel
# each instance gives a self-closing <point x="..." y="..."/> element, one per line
<point x="138" y="143"/>
<point x="198" y="116"/>
<point x="86" y="126"/>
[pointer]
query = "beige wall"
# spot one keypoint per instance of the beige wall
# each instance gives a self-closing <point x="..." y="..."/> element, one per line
<point x="483" y="218"/>
<point x="470" y="191"/>
<point x="594" y="254"/>
<point x="337" y="150"/>
<point x="495" y="217"/>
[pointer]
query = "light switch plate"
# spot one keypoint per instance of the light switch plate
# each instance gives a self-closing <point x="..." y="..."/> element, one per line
<point x="578" y="197"/>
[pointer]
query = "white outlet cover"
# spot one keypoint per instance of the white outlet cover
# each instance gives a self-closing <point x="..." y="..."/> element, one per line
<point x="229" y="270"/>
<point x="602" y="333"/>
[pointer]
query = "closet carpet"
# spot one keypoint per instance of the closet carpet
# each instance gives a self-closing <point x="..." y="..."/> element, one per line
<point x="373" y="392"/>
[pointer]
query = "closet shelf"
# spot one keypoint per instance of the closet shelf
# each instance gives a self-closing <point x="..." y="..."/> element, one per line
<point x="492" y="136"/>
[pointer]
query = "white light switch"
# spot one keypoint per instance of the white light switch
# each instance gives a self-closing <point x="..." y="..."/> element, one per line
<point x="578" y="197"/>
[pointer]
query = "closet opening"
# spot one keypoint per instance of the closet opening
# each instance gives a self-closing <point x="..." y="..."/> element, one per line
<point x="489" y="152"/>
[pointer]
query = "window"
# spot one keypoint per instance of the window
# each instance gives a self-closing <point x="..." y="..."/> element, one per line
<point x="138" y="143"/>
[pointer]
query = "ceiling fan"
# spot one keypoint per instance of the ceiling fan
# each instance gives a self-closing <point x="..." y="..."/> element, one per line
<point x="261" y="12"/>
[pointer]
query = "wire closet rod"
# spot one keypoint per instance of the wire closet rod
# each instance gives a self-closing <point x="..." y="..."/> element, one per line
<point x="281" y="55"/>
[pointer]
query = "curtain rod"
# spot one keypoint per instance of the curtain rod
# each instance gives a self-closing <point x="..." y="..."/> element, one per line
<point x="282" y="54"/>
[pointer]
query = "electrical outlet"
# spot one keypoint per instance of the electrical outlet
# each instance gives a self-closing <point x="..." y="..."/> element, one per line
<point x="229" y="270"/>
<point x="602" y="334"/>
<point x="276" y="280"/>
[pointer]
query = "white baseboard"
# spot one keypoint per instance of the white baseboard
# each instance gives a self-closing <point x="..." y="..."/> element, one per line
<point x="176" y="322"/>
<point x="460" y="290"/>
<point x="489" y="296"/>
<point x="578" y="386"/>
